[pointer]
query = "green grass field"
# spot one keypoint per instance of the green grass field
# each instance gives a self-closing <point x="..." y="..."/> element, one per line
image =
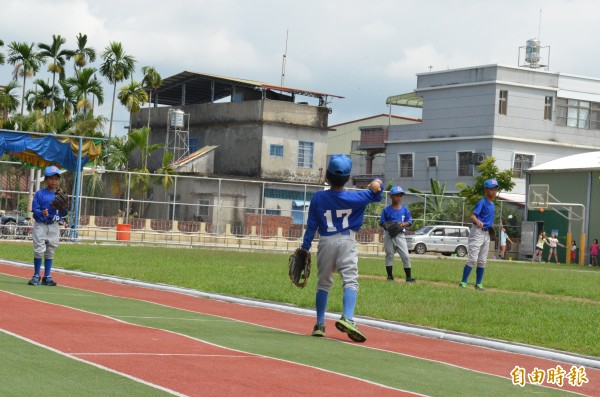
<point x="554" y="306"/>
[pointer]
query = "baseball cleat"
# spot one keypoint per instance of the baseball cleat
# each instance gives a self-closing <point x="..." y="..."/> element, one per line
<point x="48" y="281"/>
<point x="479" y="287"/>
<point x="319" y="330"/>
<point x="410" y="280"/>
<point x="344" y="324"/>
<point x="390" y="278"/>
<point x="462" y="285"/>
<point x="35" y="280"/>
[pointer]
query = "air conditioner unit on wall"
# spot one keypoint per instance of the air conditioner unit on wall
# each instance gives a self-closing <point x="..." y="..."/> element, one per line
<point x="478" y="158"/>
<point x="432" y="162"/>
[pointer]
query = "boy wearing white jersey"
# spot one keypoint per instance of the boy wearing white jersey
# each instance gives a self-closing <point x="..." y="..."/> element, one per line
<point x="338" y="215"/>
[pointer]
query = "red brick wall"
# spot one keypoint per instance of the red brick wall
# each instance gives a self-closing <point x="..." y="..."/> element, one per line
<point x="270" y="223"/>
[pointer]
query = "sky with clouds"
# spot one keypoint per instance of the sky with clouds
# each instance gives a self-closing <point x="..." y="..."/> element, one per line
<point x="362" y="50"/>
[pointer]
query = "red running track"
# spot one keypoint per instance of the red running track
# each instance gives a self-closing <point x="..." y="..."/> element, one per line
<point x="172" y="361"/>
<point x="475" y="358"/>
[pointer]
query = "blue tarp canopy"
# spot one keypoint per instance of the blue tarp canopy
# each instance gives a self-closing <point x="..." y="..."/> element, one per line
<point x="45" y="150"/>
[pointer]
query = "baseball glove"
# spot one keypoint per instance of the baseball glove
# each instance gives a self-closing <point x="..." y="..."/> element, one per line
<point x="299" y="267"/>
<point x="60" y="201"/>
<point x="393" y="228"/>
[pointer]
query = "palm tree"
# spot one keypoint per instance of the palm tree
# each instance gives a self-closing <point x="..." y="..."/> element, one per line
<point x="9" y="102"/>
<point x="117" y="67"/>
<point x="133" y="96"/>
<point x="26" y="61"/>
<point x="40" y="97"/>
<point x="58" y="56"/>
<point x="166" y="173"/>
<point x="83" y="53"/>
<point x="68" y="101"/>
<point x="152" y="81"/>
<point x="138" y="139"/>
<point x="2" y="59"/>
<point x="83" y="85"/>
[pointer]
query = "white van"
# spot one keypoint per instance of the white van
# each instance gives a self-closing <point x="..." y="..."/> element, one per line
<point x="442" y="238"/>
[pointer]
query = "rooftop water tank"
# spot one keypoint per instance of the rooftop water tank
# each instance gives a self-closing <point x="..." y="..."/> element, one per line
<point x="177" y="118"/>
<point x="532" y="51"/>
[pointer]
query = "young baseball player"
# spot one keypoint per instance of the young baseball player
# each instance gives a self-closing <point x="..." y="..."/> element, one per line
<point x="479" y="237"/>
<point x="337" y="215"/>
<point x="46" y="229"/>
<point x="392" y="243"/>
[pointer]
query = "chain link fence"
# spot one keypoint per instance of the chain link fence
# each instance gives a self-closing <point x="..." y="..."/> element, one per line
<point x="194" y="210"/>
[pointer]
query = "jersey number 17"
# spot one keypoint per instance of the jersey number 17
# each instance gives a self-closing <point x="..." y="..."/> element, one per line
<point x="343" y="214"/>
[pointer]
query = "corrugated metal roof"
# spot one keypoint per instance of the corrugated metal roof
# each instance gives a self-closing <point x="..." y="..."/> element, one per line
<point x="589" y="161"/>
<point x="193" y="156"/>
<point x="411" y="100"/>
<point x="205" y="88"/>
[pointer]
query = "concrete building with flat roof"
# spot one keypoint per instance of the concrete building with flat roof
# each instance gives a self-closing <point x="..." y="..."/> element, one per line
<point x="521" y="116"/>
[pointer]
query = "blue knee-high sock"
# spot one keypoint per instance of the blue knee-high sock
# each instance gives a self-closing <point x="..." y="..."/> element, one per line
<point x="37" y="266"/>
<point x="47" y="267"/>
<point x="479" y="272"/>
<point x="349" y="302"/>
<point x="321" y="300"/>
<point x="466" y="273"/>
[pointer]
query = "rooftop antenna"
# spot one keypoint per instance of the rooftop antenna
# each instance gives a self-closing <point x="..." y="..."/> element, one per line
<point x="533" y="52"/>
<point x="284" y="58"/>
<point x="540" y="26"/>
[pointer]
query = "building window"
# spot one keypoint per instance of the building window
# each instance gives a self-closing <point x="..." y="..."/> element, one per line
<point x="276" y="150"/>
<point x="577" y="114"/>
<point x="465" y="163"/>
<point x="203" y="208"/>
<point x="406" y="165"/>
<point x="272" y="212"/>
<point x="522" y="162"/>
<point x="548" y="108"/>
<point x="305" y="154"/>
<point x="503" y="102"/>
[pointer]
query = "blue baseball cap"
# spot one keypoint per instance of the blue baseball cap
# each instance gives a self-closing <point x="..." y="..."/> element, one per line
<point x="397" y="190"/>
<point x="51" y="170"/>
<point x="340" y="164"/>
<point x="490" y="183"/>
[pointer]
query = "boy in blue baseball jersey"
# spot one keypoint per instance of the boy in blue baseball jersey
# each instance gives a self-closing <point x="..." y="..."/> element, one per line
<point x="479" y="236"/>
<point x="396" y="213"/>
<point x="46" y="230"/>
<point x="338" y="215"/>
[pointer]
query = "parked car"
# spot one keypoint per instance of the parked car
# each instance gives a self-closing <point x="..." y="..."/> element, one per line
<point x="15" y="226"/>
<point x="440" y="238"/>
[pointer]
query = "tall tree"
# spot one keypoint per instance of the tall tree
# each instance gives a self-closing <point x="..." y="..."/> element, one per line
<point x="58" y="56"/>
<point x="82" y="54"/>
<point x="26" y="61"/>
<point x="117" y="66"/>
<point x="9" y="101"/>
<point x="2" y="58"/>
<point x="40" y="98"/>
<point x="152" y="81"/>
<point x="84" y="85"/>
<point x="133" y="96"/>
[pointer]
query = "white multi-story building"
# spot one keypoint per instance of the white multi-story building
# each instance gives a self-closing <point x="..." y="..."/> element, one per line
<point x="521" y="116"/>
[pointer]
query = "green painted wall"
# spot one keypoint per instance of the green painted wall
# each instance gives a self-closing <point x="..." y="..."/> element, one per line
<point x="568" y="187"/>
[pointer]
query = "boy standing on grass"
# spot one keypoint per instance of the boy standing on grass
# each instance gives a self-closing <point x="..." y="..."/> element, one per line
<point x="46" y="231"/>
<point x="392" y="243"/>
<point x="479" y="237"/>
<point x="338" y="215"/>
